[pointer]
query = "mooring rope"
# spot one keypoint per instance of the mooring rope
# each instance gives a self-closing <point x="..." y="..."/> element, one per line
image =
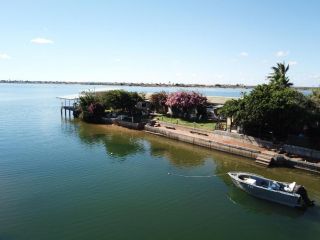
<point x="196" y="176"/>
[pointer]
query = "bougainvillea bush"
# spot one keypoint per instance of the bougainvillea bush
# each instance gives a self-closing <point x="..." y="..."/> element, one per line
<point x="184" y="103"/>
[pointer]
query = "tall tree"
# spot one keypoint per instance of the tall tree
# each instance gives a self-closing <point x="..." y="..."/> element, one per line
<point x="271" y="109"/>
<point x="121" y="100"/>
<point x="278" y="77"/>
<point x="158" y="101"/>
<point x="315" y="96"/>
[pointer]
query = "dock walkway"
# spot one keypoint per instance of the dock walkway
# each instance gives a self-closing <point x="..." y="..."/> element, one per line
<point x="68" y="104"/>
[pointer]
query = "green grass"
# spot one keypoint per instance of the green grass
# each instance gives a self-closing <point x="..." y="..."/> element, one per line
<point x="207" y="125"/>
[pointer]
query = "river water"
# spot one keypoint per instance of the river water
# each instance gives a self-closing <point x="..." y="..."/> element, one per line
<point x="62" y="179"/>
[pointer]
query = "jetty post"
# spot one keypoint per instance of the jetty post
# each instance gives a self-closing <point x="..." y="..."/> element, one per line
<point x="68" y="104"/>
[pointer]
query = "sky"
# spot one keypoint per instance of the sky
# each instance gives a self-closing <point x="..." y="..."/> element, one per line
<point x="163" y="41"/>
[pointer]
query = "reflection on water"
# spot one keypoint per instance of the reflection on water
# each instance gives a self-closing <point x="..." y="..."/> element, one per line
<point x="210" y="197"/>
<point x="260" y="206"/>
<point x="118" y="144"/>
<point x="121" y="142"/>
<point x="62" y="179"/>
<point x="181" y="155"/>
<point x="252" y="204"/>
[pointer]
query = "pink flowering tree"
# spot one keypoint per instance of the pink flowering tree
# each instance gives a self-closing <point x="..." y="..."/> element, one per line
<point x="184" y="103"/>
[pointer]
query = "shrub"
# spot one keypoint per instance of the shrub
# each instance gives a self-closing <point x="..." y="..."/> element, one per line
<point x="158" y="101"/>
<point x="184" y="103"/>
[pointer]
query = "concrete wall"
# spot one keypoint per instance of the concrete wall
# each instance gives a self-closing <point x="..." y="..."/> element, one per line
<point x="308" y="166"/>
<point x="223" y="134"/>
<point x="244" y="138"/>
<point x="301" y="151"/>
<point x="241" y="151"/>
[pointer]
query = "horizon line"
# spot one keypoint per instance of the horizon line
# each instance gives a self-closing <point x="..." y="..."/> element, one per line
<point x="187" y="85"/>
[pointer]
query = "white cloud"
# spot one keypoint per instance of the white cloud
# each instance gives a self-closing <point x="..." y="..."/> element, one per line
<point x="244" y="54"/>
<point x="42" y="41"/>
<point x="4" y="56"/>
<point x="117" y="60"/>
<point x="292" y="63"/>
<point x="282" y="53"/>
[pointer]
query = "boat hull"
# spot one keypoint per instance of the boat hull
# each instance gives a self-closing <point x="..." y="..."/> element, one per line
<point x="288" y="199"/>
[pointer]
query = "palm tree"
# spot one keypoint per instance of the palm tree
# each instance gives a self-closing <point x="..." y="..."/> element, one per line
<point x="278" y="76"/>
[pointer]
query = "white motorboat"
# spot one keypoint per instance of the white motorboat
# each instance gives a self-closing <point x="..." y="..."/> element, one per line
<point x="289" y="194"/>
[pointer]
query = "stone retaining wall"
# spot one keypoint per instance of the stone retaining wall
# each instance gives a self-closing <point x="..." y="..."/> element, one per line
<point x="300" y="151"/>
<point x="237" y="150"/>
<point x="233" y="149"/>
<point x="308" y="166"/>
<point x="245" y="138"/>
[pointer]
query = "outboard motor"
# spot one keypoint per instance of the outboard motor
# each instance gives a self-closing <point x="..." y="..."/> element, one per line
<point x="304" y="195"/>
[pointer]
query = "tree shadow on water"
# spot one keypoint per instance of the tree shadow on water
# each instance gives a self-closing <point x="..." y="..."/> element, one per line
<point x="117" y="144"/>
<point x="181" y="155"/>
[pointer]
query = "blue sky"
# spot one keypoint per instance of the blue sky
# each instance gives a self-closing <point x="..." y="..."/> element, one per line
<point x="163" y="41"/>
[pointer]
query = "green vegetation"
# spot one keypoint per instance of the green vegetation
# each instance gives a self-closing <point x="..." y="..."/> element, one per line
<point x="275" y="109"/>
<point x="187" y="105"/>
<point x="198" y="124"/>
<point x="186" y="109"/>
<point x="93" y="106"/>
<point x="120" y="100"/>
<point x="315" y="97"/>
<point x="158" y="101"/>
<point x="278" y="76"/>
<point x="91" y="109"/>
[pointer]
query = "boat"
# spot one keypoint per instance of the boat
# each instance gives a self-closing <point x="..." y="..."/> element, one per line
<point x="290" y="194"/>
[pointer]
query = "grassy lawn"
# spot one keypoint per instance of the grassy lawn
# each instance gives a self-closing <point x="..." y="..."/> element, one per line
<point x="207" y="125"/>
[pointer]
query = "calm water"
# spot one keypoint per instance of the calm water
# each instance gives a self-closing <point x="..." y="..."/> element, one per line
<point x="225" y="92"/>
<point x="69" y="180"/>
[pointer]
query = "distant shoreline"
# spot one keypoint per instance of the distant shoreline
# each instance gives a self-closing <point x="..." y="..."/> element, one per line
<point x="143" y="84"/>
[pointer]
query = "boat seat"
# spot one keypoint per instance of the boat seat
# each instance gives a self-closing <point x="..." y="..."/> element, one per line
<point x="290" y="187"/>
<point x="262" y="183"/>
<point x="274" y="186"/>
<point x="250" y="181"/>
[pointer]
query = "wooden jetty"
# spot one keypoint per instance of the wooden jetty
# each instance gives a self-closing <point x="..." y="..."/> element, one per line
<point x="68" y="104"/>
